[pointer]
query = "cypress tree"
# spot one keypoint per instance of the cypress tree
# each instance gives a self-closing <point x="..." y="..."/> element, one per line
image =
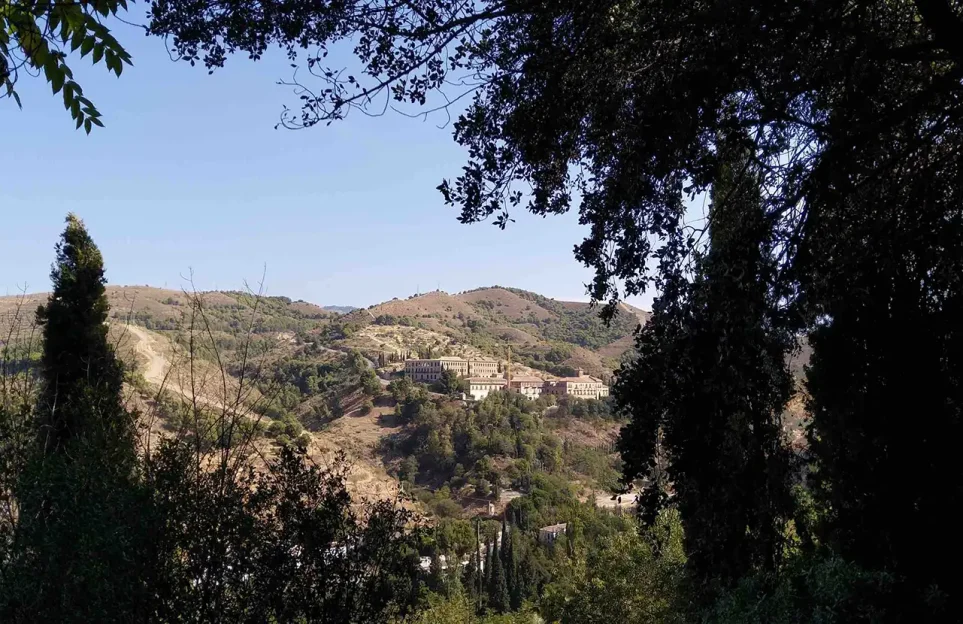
<point x="710" y="384"/>
<point x="82" y="378"/>
<point x="510" y="563"/>
<point x="498" y="587"/>
<point x="885" y="388"/>
<point x="487" y="583"/>
<point x="470" y="580"/>
<point x="436" y="576"/>
<point x="83" y="552"/>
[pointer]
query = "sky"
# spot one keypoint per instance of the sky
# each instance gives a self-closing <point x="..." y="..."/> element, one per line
<point x="190" y="178"/>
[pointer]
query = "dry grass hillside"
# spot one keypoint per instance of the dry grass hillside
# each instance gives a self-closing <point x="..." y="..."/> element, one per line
<point x="304" y="353"/>
<point x="553" y="336"/>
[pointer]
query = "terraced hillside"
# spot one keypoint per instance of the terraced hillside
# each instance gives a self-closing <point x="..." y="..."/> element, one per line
<point x="554" y="336"/>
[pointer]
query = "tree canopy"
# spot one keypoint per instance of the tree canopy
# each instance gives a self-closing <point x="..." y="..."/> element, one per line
<point x="34" y="35"/>
<point x="619" y="103"/>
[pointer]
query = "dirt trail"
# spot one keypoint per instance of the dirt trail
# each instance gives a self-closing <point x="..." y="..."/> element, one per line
<point x="157" y="364"/>
<point x="356" y="435"/>
<point x="159" y="369"/>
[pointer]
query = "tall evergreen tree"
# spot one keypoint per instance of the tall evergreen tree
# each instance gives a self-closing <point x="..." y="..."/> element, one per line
<point x="885" y="385"/>
<point x="470" y="579"/>
<point x="711" y="381"/>
<point x="81" y="397"/>
<point x="516" y="589"/>
<point x="487" y="571"/>
<point x="498" y="585"/>
<point x="437" y="580"/>
<point x="83" y="552"/>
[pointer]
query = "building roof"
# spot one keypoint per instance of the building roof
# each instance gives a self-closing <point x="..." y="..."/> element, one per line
<point x="491" y="380"/>
<point x="451" y="358"/>
<point x="555" y="528"/>
<point x="582" y="379"/>
<point x="527" y="379"/>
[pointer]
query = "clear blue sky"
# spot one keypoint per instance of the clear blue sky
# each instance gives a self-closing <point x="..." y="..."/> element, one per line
<point x="190" y="174"/>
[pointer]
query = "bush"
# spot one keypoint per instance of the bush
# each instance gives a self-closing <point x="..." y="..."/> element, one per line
<point x="826" y="590"/>
<point x="304" y="440"/>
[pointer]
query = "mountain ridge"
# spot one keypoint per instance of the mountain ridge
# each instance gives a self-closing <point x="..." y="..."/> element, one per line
<point x="548" y="334"/>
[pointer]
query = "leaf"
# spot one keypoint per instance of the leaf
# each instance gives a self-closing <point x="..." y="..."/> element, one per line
<point x="98" y="52"/>
<point x="39" y="55"/>
<point x="87" y="126"/>
<point x="57" y="81"/>
<point x="87" y="46"/>
<point x="96" y="122"/>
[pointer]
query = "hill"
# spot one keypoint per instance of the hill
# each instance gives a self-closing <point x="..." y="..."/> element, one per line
<point x="542" y="333"/>
<point x="307" y="373"/>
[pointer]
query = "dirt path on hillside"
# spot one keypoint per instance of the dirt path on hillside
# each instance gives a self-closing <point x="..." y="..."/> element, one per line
<point x="157" y="364"/>
<point x="356" y="435"/>
<point x="159" y="370"/>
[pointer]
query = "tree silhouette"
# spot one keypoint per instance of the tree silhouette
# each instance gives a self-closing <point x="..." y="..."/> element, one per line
<point x="712" y="377"/>
<point x="83" y="551"/>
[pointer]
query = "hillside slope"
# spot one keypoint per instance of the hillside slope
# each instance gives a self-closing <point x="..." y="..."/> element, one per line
<point x="309" y="382"/>
<point x="554" y="336"/>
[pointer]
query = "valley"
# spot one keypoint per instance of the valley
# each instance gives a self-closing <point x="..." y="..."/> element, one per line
<point x="325" y="378"/>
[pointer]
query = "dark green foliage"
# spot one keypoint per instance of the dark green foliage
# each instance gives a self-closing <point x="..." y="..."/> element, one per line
<point x="471" y="578"/>
<point x="885" y="387"/>
<point x="569" y="406"/>
<point x="489" y="567"/>
<point x="633" y="577"/>
<point x="498" y="597"/>
<point x="708" y="388"/>
<point x="370" y="384"/>
<point x="280" y="545"/>
<point x="451" y="384"/>
<point x="458" y="445"/>
<point x="82" y="376"/>
<point x="809" y="589"/>
<point x="81" y="509"/>
<point x="33" y="41"/>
